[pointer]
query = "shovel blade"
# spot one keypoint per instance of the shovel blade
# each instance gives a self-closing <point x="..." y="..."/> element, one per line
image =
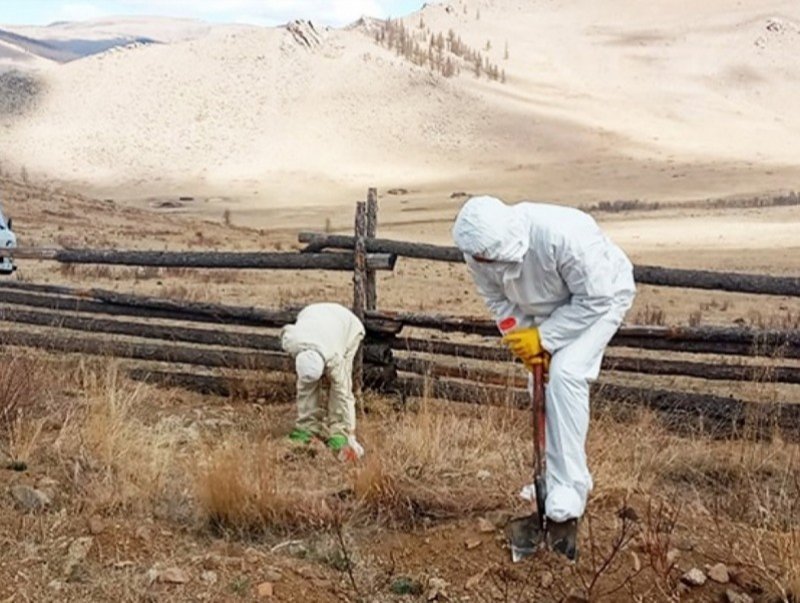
<point x="526" y="536"/>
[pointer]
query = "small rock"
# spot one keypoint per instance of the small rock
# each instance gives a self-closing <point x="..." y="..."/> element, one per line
<point x="483" y="474"/>
<point x="47" y="485"/>
<point x="731" y="596"/>
<point x="437" y="590"/>
<point x="143" y="532"/>
<point x="265" y="590"/>
<point x="499" y="518"/>
<point x="685" y="545"/>
<point x="472" y="543"/>
<point x="694" y="577"/>
<point x="252" y="555"/>
<point x="29" y="499"/>
<point x="637" y="564"/>
<point x="672" y="556"/>
<point x="272" y="574"/>
<point x="152" y="575"/>
<point x="547" y="579"/>
<point x="76" y="554"/>
<point x="96" y="525"/>
<point x="485" y="526"/>
<point x="173" y="575"/>
<point x="719" y="573"/>
<point x="474" y="581"/>
<point x="209" y="577"/>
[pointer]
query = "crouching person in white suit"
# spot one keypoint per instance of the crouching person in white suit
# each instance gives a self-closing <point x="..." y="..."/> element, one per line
<point x="324" y="341"/>
<point x="558" y="289"/>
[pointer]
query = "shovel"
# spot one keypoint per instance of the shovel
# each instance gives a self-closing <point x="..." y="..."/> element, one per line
<point x="528" y="534"/>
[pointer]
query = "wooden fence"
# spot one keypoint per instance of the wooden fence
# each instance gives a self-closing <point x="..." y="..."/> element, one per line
<point x="454" y="366"/>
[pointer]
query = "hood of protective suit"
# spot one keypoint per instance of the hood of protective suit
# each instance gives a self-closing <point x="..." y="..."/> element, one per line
<point x="309" y="366"/>
<point x="488" y="228"/>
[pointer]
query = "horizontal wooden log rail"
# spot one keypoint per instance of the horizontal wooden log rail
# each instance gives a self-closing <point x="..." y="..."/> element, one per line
<point x="204" y="259"/>
<point x="498" y="353"/>
<point x="59" y="341"/>
<point x="720" y="415"/>
<point x="713" y="334"/>
<point x="145" y="330"/>
<point x="91" y="300"/>
<point x="644" y="366"/>
<point x="159" y="352"/>
<point x="646" y="275"/>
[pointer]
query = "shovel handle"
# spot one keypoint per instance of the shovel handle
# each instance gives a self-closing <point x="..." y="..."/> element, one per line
<point x="539" y="440"/>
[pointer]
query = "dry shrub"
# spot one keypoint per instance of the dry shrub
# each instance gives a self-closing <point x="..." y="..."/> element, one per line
<point x="22" y="380"/>
<point x="129" y="464"/>
<point x="442" y="461"/>
<point x="245" y="487"/>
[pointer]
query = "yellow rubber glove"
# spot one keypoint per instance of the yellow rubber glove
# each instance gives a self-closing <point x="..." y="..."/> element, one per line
<point x="526" y="345"/>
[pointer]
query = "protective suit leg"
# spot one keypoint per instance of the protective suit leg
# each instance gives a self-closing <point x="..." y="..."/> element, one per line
<point x="310" y="416"/>
<point x="342" y="402"/>
<point x="572" y="369"/>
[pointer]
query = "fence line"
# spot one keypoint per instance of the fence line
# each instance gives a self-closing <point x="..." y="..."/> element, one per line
<point x="56" y="307"/>
<point x="646" y="275"/>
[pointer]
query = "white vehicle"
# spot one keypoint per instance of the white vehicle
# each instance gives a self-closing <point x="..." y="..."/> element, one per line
<point x="8" y="240"/>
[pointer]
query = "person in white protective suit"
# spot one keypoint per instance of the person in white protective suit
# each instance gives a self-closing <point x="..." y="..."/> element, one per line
<point x="323" y="341"/>
<point x="558" y="289"/>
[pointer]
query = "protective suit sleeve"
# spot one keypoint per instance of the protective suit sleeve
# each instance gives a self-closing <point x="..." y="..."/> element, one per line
<point x="590" y="274"/>
<point x="506" y="313"/>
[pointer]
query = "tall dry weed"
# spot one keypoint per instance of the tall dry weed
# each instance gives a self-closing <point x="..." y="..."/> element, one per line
<point x="243" y="487"/>
<point x="128" y="464"/>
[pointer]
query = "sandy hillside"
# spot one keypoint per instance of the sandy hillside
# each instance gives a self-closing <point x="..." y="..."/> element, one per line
<point x="159" y="29"/>
<point x="602" y="100"/>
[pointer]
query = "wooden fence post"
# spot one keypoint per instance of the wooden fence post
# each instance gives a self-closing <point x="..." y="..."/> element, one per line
<point x="359" y="291"/>
<point x="372" y="231"/>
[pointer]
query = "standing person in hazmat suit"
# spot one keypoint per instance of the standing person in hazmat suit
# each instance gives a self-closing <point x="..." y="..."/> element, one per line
<point x="323" y="341"/>
<point x="558" y="289"/>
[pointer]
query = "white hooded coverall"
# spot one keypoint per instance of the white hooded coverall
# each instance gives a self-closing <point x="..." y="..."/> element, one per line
<point x="552" y="267"/>
<point x="335" y="333"/>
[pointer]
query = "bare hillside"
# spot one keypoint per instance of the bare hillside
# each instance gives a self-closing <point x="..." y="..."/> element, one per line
<point x="596" y="100"/>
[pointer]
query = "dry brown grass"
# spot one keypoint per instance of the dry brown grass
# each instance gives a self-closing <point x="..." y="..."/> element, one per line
<point x="124" y="462"/>
<point x="19" y="390"/>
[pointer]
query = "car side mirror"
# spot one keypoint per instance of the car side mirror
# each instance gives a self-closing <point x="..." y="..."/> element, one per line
<point x="9" y="223"/>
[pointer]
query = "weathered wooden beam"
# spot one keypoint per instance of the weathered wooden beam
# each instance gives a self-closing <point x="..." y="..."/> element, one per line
<point x="372" y="231"/>
<point x="204" y="259"/>
<point x="644" y="366"/>
<point x="424" y="251"/>
<point x="713" y="340"/>
<point x="230" y="385"/>
<point x="719" y="334"/>
<point x="160" y="352"/>
<point x="718" y="281"/>
<point x="646" y="275"/>
<point x="375" y="353"/>
<point x="359" y="291"/>
<point x="720" y="416"/>
<point x="450" y="348"/>
<point x="145" y="330"/>
<point x="726" y="348"/>
<point x="124" y="304"/>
